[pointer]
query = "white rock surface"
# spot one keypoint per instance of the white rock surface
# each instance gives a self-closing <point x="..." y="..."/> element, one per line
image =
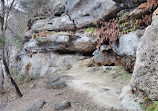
<point x="41" y="64"/>
<point x="128" y="43"/>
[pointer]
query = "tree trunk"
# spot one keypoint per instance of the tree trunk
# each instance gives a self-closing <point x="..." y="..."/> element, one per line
<point x="1" y="79"/>
<point x="6" y="69"/>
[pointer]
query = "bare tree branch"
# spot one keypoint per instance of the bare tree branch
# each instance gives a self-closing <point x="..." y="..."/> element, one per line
<point x="2" y="15"/>
<point x="7" y="15"/>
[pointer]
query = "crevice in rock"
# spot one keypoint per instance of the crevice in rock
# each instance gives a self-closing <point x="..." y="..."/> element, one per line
<point x="88" y="54"/>
<point x="71" y="19"/>
<point x="66" y="52"/>
<point x="112" y="64"/>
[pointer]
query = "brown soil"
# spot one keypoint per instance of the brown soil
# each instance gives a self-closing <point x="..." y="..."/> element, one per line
<point x="37" y="91"/>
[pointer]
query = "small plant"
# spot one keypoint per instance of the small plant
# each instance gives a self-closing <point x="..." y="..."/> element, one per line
<point x="43" y="17"/>
<point x="141" y="104"/>
<point x="51" y="32"/>
<point x="109" y="31"/>
<point x="124" y="74"/>
<point x="22" y="79"/>
<point x="124" y="24"/>
<point x="153" y="106"/>
<point x="90" y="30"/>
<point x="145" y="20"/>
<point x="150" y="108"/>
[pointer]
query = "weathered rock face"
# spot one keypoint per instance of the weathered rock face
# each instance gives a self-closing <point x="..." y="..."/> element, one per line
<point x="72" y="16"/>
<point x="40" y="25"/>
<point x="52" y="8"/>
<point x="39" y="55"/>
<point x="88" y="12"/>
<point x="63" y="41"/>
<point x="61" y="23"/>
<point x="55" y="24"/>
<point x="145" y="74"/>
<point x="85" y="42"/>
<point x="68" y="14"/>
<point x="128" y="43"/>
<point x="47" y="63"/>
<point x="57" y="7"/>
<point x="54" y="42"/>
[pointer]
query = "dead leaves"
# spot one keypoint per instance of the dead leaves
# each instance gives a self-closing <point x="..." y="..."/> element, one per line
<point x="150" y="4"/>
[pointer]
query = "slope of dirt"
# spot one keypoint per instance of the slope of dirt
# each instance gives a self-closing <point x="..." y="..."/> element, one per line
<point x="89" y="89"/>
<point x="79" y="101"/>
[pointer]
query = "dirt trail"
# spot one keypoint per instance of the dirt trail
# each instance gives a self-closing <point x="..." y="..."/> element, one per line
<point x="103" y="87"/>
<point x="89" y="89"/>
<point x="79" y="101"/>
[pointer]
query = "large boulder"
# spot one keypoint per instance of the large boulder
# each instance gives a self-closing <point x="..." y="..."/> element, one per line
<point x="51" y="9"/>
<point x="62" y="105"/>
<point x="145" y="76"/>
<point x="128" y="43"/>
<point x="61" y="23"/>
<point x="55" y="82"/>
<point x="104" y="57"/>
<point x="40" y="25"/>
<point x="37" y="106"/>
<point x="85" y="43"/>
<point x="57" y="7"/>
<point x="86" y="12"/>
